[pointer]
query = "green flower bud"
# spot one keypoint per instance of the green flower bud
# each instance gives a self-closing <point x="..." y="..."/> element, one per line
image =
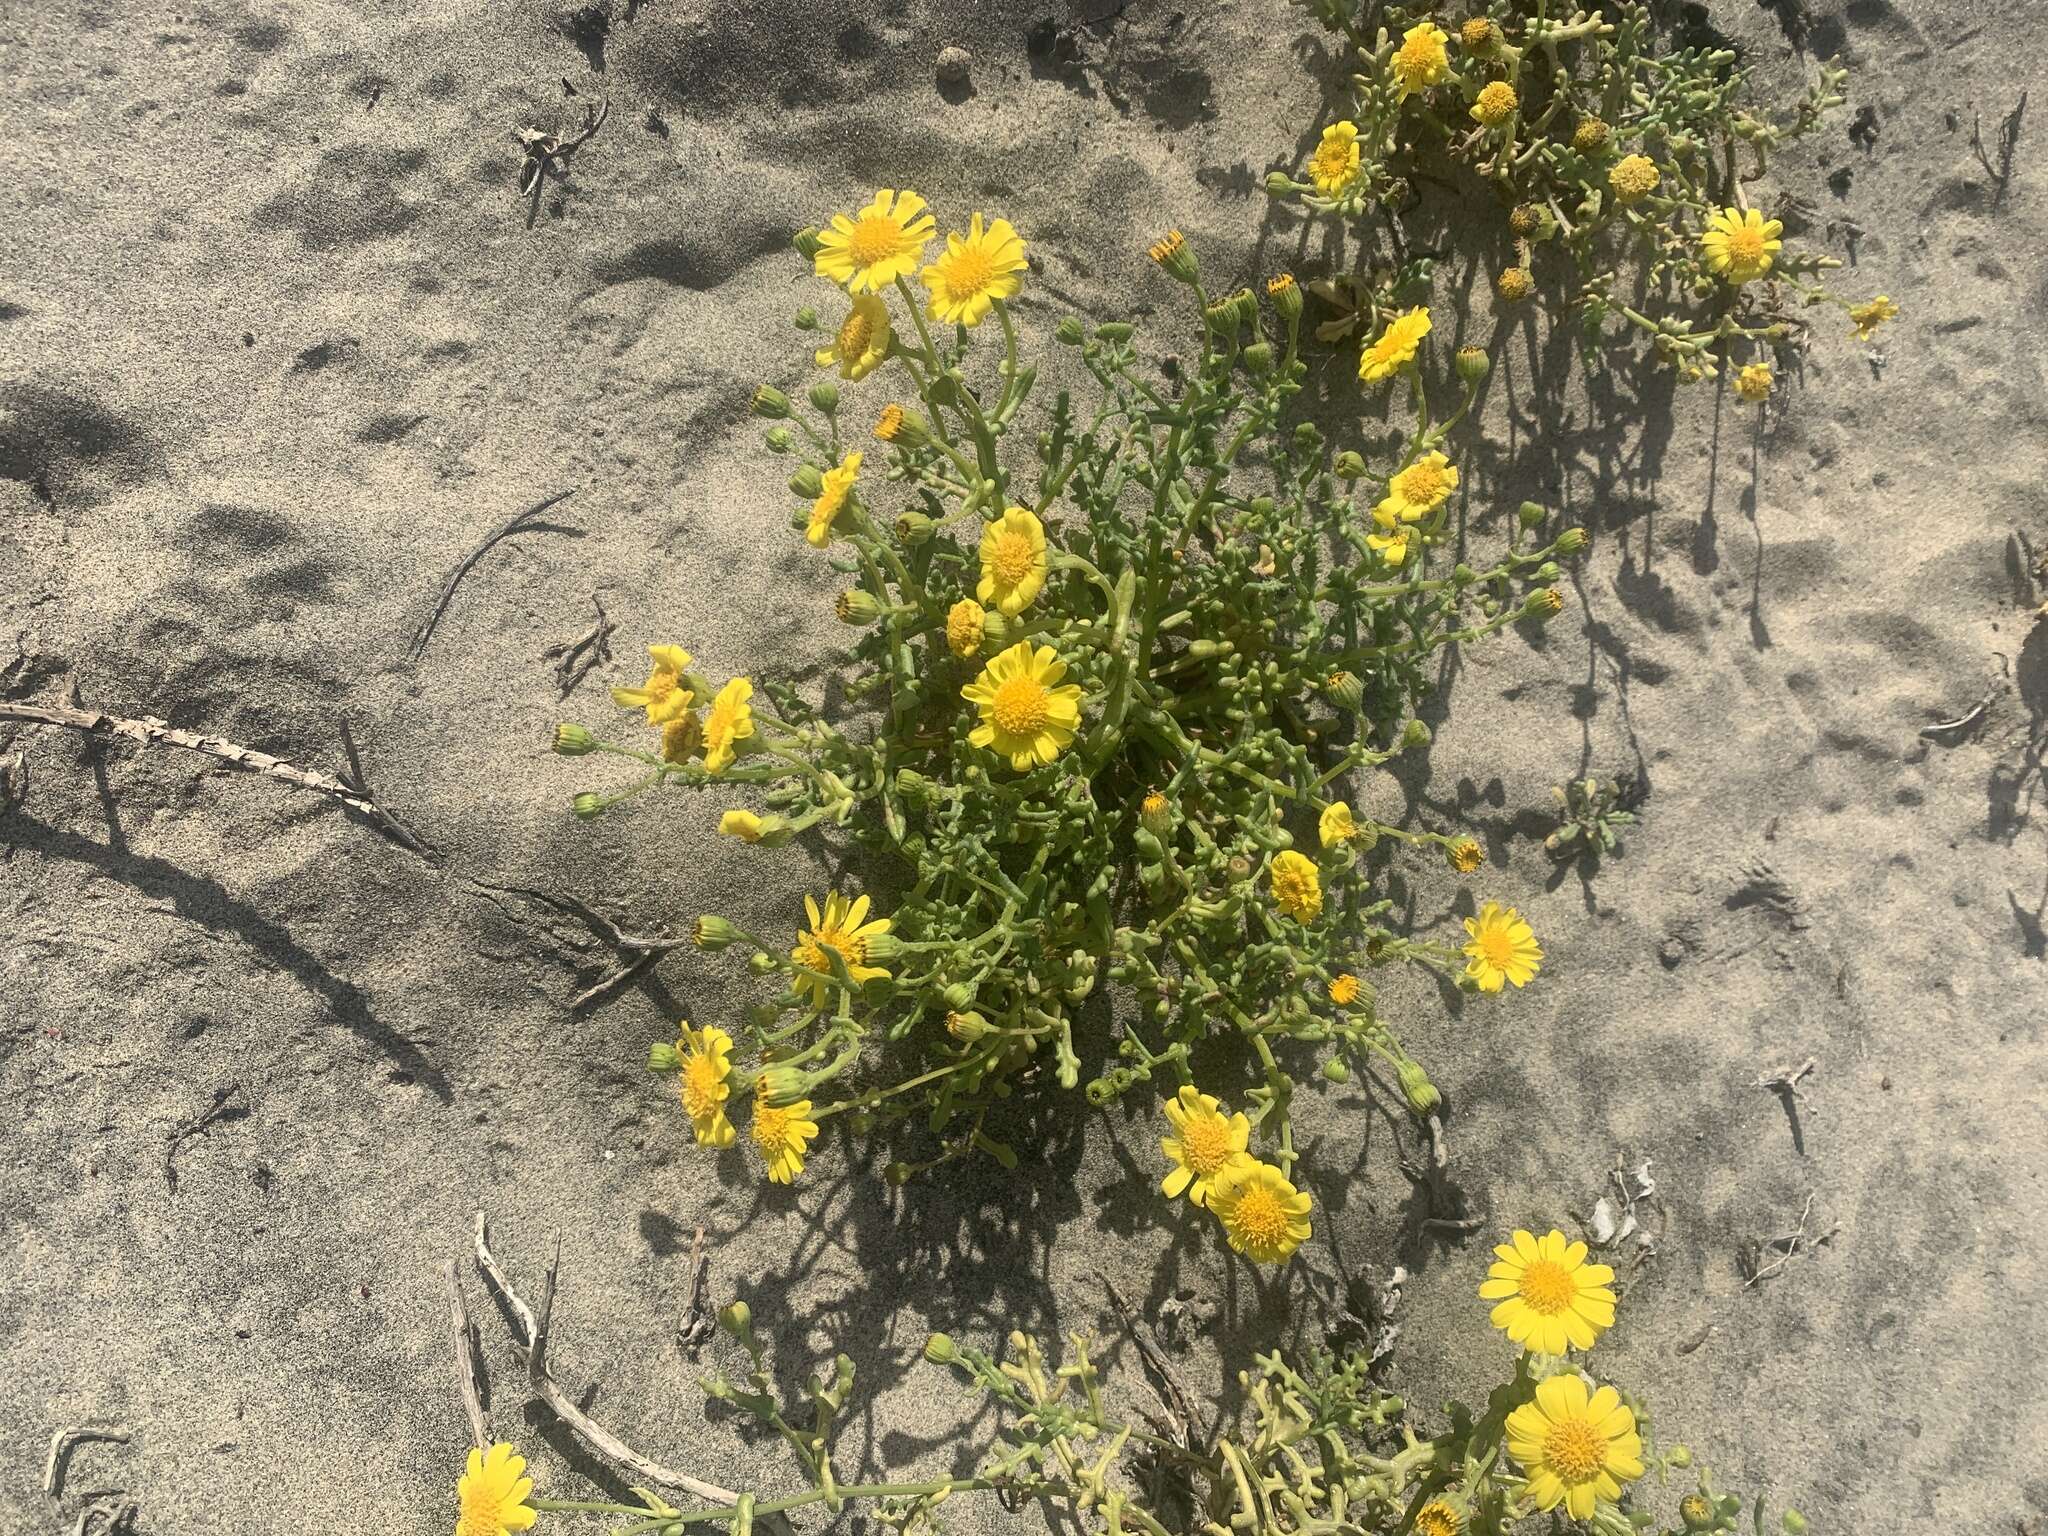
<point x="1544" y="603"/>
<point x="760" y="964"/>
<point x="806" y="319"/>
<point x="587" y="806"/>
<point x="1794" y="1523"/>
<point x="1246" y="306"/>
<point x="998" y="629"/>
<point x="1532" y="514"/>
<point x="573" y="741"/>
<point x="1258" y="357"/>
<point x="1345" y="690"/>
<point x="967" y="1026"/>
<point x="1279" y="184"/>
<point x="914" y="528"/>
<point x="1155" y="815"/>
<point x="857" y="606"/>
<point x="897" y="1173"/>
<point x="958" y="998"/>
<point x="1306" y="438"/>
<point x="807" y="243"/>
<point x="1679" y="1456"/>
<point x="1336" y="1071"/>
<point x="1414" y="735"/>
<point x="770" y="403"/>
<point x="662" y="1058"/>
<point x="1175" y="259"/>
<point x="883" y="948"/>
<point x="777" y="439"/>
<point x="1069" y="331"/>
<point x="737" y="1320"/>
<point x="825" y="396"/>
<point x="1472" y="364"/>
<point x="807" y="483"/>
<point x="714" y="933"/>
<point x="1697" y="1511"/>
<point x="1348" y="465"/>
<point x="1115" y="331"/>
<point x="1285" y="293"/>
<point x="940" y="1350"/>
<point x="1547" y="571"/>
<point x="783" y="1084"/>
<point x="1571" y="541"/>
<point x="1417" y="1089"/>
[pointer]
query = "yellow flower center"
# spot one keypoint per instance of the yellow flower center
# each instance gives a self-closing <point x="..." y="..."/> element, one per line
<point x="771" y="1125"/>
<point x="482" y="1515"/>
<point x="1205" y="1144"/>
<point x="1421" y="482"/>
<point x="1261" y="1219"/>
<point x="1333" y="160"/>
<point x="969" y="271"/>
<point x="1014" y="556"/>
<point x="1154" y="804"/>
<point x="1745" y="246"/>
<point x="1021" y="707"/>
<point x="1548" y="1287"/>
<point x="1497" y="949"/>
<point x="855" y="335"/>
<point x="852" y="950"/>
<point x="1574" y="1450"/>
<point x="1344" y="989"/>
<point x="1291" y="890"/>
<point x="1417" y="57"/>
<point x="1436" y="1519"/>
<point x="874" y="238"/>
<point x="700" y="1087"/>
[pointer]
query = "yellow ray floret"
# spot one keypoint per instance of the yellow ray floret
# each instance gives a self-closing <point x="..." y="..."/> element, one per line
<point x="663" y="695"/>
<point x="1336" y="824"/>
<point x="1576" y="1447"/>
<point x="492" y="1493"/>
<point x="1394" y="348"/>
<point x="1868" y="317"/>
<point x="1419" y="489"/>
<point x="782" y="1132"/>
<point x="1422" y="59"/>
<point x="1391" y="545"/>
<point x="730" y="722"/>
<point x="1012" y="560"/>
<point x="1335" y="164"/>
<point x="1027" y="714"/>
<point x="832" y="500"/>
<point x="1503" y="948"/>
<point x="966" y="624"/>
<point x="1739" y="244"/>
<point x="1547" y="1296"/>
<point x="1265" y="1217"/>
<point x="705" y="1058"/>
<point x="861" y="344"/>
<point x="1205" y="1145"/>
<point x="1754" y="382"/>
<point x="1297" y="888"/>
<point x="843" y="927"/>
<point x="974" y="271"/>
<point x="873" y="248"/>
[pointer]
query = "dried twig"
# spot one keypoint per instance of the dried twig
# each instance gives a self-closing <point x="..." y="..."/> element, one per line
<point x="2008" y="141"/>
<point x="1750" y="1256"/>
<point x="1961" y="723"/>
<point x="1785" y="1084"/>
<point x="573" y="659"/>
<point x="65" y="1438"/>
<point x="533" y="1349"/>
<point x="465" y="1360"/>
<point x="697" y="1324"/>
<point x="152" y="732"/>
<point x="516" y="525"/>
<point x="119" y="1515"/>
<point x="644" y="949"/>
<point x="192" y="1127"/>
<point x="1167" y="1388"/>
<point x="548" y="154"/>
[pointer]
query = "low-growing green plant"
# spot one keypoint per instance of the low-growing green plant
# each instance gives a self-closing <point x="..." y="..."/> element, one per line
<point x="1590" y="817"/>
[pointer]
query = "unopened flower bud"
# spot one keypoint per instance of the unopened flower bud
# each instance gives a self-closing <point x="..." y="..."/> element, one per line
<point x="777" y="438"/>
<point x="1155" y="814"/>
<point x="1545" y="603"/>
<point x="1069" y="331"/>
<point x="1285" y="293"/>
<point x="1514" y="285"/>
<point x="882" y="948"/>
<point x="759" y="964"/>
<point x="857" y="606"/>
<point x="1472" y="364"/>
<point x="1532" y="514"/>
<point x="1571" y="541"/>
<point x="1414" y="735"/>
<point x="940" y="1349"/>
<point x="1346" y="691"/>
<point x="1679" y="1456"/>
<point x="1417" y="1089"/>
<point x="807" y="242"/>
<point x="958" y="998"/>
<point x="805" y="319"/>
<point x="967" y="1026"/>
<point x="1348" y="465"/>
<point x="779" y="1083"/>
<point x="573" y="740"/>
<point x="714" y="933"/>
<point x="1175" y="259"/>
<point x="825" y="396"/>
<point x="1334" y="1070"/>
<point x="737" y="1319"/>
<point x="1258" y="357"/>
<point x="770" y="403"/>
<point x="1115" y="331"/>
<point x="587" y="806"/>
<point x="1279" y="184"/>
<point x="1794" y="1523"/>
<point x="807" y="483"/>
<point x="1697" y="1511"/>
<point x="662" y="1058"/>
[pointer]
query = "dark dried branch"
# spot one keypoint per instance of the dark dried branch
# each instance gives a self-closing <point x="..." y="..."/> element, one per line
<point x="516" y="525"/>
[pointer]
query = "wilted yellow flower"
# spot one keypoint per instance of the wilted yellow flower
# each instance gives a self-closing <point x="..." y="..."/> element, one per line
<point x="862" y="343"/>
<point x="885" y="241"/>
<point x="681" y="737"/>
<point x="1464" y="855"/>
<point x="1027" y="715"/>
<point x="706" y="1065"/>
<point x="974" y="270"/>
<point x="1479" y="34"/>
<point x="1344" y="989"/>
<point x="890" y="422"/>
<point x="1576" y="1448"/>
<point x="842" y="927"/>
<point x="1395" y="347"/>
<point x="1012" y="560"/>
<point x="782" y="1132"/>
<point x="1297" y="887"/>
<point x="1419" y="489"/>
<point x="1336" y="824"/>
<point x="1514" y="284"/>
<point x="1754" y="382"/>
<point x="1548" y="1296"/>
<point x="1496" y="104"/>
<point x="663" y="695"/>
<point x="1503" y="948"/>
<point x="1334" y="166"/>
<point x="1265" y="1217"/>
<point x="730" y="722"/>
<point x="832" y="500"/>
<point x="492" y="1493"/>
<point x="1206" y="1144"/>
<point x="1421" y="60"/>
<point x="1868" y="317"/>
<point x="1633" y="178"/>
<point x="1738" y="244"/>
<point x="744" y="825"/>
<point x="966" y="624"/>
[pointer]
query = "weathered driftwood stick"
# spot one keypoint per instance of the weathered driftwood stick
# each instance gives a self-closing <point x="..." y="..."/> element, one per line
<point x="70" y="1435"/>
<point x="465" y="1360"/>
<point x="152" y="732"/>
<point x="517" y="525"/>
<point x="534" y="1348"/>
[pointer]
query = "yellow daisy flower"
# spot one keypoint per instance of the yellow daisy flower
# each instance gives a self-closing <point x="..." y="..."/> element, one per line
<point x="842" y="926"/>
<point x="663" y="695"/>
<point x="885" y="241"/>
<point x="1419" y="489"/>
<point x="1026" y="715"/>
<point x="1496" y="104"/>
<point x="1868" y="317"/>
<point x="1344" y="989"/>
<point x="966" y="624"/>
<point x="1754" y="382"/>
<point x="1336" y="824"/>
<point x="1265" y="1217"/>
<point x="1436" y="1518"/>
<point x="1738" y="244"/>
<point x="1334" y="166"/>
<point x="744" y="825"/>
<point x="1395" y="347"/>
<point x="1297" y="888"/>
<point x="1205" y="1146"/>
<point x="973" y="271"/>
<point x="1012" y="560"/>
<point x="1422" y="59"/>
<point x="1391" y="546"/>
<point x="1575" y="1447"/>
<point x="1503" y="948"/>
<point x="731" y="721"/>
<point x="1549" y="1296"/>
<point x="862" y="344"/>
<point x="832" y="500"/>
<point x="681" y="737"/>
<point x="492" y="1493"/>
<point x="706" y="1064"/>
<point x="782" y="1132"/>
<point x="1633" y="178"/>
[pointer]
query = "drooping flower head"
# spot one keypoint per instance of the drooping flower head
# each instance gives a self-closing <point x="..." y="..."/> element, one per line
<point x="1576" y="1448"/>
<point x="871" y="249"/>
<point x="744" y="825"/>
<point x="1012" y="560"/>
<point x="1297" y="888"/>
<point x="1265" y="1217"/>
<point x="861" y="344"/>
<point x="842" y="927"/>
<point x="1205" y="1144"/>
<point x="1027" y="714"/>
<point x="663" y="695"/>
<point x="1739" y="244"/>
<point x="681" y="737"/>
<point x="832" y="500"/>
<point x="782" y="1132"/>
<point x="966" y="624"/>
<point x="1335" y="164"/>
<point x="1503" y="948"/>
<point x="730" y="722"/>
<point x="492" y="1493"/>
<point x="1633" y="178"/>
<point x="1420" y="488"/>
<point x="1422" y="60"/>
<point x="704" y="1056"/>
<point x="1394" y="348"/>
<point x="1548" y="1296"/>
<point x="974" y="270"/>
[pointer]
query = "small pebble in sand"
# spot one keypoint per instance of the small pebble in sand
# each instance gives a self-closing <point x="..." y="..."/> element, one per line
<point x="954" y="63"/>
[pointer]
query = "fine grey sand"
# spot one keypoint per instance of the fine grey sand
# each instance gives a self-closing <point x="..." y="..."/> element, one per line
<point x="277" y="349"/>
